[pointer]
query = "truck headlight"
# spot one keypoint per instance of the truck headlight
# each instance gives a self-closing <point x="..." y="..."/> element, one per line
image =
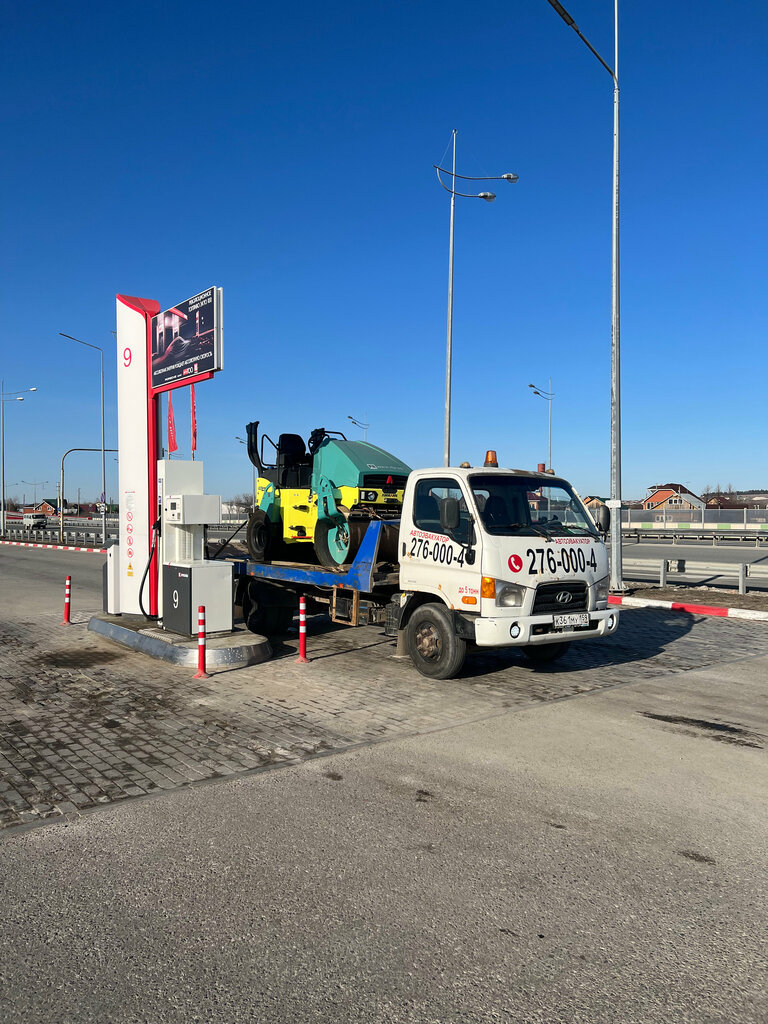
<point x="510" y="595"/>
<point x="601" y="590"/>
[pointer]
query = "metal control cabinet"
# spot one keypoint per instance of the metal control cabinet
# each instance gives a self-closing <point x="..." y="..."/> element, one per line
<point x="192" y="509"/>
<point x="188" y="585"/>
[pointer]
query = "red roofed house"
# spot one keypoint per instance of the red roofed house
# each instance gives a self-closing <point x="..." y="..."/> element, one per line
<point x="672" y="497"/>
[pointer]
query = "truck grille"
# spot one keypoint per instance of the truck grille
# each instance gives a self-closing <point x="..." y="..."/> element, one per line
<point x="380" y="480"/>
<point x="546" y="598"/>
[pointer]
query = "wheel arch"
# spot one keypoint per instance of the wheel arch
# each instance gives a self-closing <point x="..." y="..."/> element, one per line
<point x="415" y="600"/>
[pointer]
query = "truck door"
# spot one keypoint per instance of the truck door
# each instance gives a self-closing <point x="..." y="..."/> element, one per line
<point x="431" y="560"/>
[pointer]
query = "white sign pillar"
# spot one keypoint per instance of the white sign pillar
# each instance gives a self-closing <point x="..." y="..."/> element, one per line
<point x="138" y="453"/>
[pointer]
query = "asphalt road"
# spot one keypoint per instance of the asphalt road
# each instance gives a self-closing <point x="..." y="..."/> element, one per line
<point x="581" y="862"/>
<point x="44" y="574"/>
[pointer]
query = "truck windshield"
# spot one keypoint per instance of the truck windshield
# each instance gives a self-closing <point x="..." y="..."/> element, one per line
<point x="514" y="505"/>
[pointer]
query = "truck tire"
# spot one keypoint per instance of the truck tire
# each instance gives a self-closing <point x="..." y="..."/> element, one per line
<point x="267" y="610"/>
<point x="540" y="654"/>
<point x="433" y="646"/>
<point x="260" y="536"/>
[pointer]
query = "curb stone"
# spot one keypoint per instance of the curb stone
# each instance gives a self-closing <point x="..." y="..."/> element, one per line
<point x="694" y="609"/>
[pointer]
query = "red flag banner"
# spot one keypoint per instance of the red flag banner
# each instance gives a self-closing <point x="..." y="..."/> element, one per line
<point x="194" y="418"/>
<point x="172" y="446"/>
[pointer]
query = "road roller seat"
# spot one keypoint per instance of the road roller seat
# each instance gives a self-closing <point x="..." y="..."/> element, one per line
<point x="294" y="466"/>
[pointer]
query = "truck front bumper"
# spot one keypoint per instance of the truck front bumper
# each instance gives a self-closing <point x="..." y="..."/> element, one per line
<point x="509" y="631"/>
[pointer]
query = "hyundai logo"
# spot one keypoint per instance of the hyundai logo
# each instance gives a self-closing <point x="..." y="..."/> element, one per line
<point x="564" y="597"/>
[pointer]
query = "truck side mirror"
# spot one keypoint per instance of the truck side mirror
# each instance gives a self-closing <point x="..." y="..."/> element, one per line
<point x="603" y="519"/>
<point x="449" y="515"/>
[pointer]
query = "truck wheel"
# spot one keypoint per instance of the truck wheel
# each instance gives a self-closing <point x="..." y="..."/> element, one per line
<point x="433" y="646"/>
<point x="260" y="537"/>
<point x="539" y="654"/>
<point x="337" y="543"/>
<point x="267" y="610"/>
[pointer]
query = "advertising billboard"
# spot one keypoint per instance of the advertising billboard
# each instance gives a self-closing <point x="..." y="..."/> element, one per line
<point x="186" y="342"/>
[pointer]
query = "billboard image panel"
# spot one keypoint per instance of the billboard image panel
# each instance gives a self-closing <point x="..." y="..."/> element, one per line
<point x="186" y="341"/>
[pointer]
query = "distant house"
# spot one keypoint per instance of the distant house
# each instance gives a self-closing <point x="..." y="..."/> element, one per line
<point x="594" y="501"/>
<point x="724" y="501"/>
<point x="673" y="498"/>
<point x="42" y="506"/>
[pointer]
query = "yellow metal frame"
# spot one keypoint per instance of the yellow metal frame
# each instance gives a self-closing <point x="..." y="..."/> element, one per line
<point x="298" y="506"/>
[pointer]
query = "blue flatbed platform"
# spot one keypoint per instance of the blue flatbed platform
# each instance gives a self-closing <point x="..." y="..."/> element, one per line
<point x="358" y="575"/>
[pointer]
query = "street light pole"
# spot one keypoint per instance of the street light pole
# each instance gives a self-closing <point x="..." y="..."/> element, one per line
<point x="616" y="582"/>
<point x="449" y="326"/>
<point x="61" y="485"/>
<point x="253" y="473"/>
<point x="103" y="450"/>
<point x="35" y="484"/>
<point x="6" y="396"/>
<point x="547" y="396"/>
<point x="363" y="426"/>
<point x="489" y="198"/>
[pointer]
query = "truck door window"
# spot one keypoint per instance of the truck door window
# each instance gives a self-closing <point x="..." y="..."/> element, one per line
<point x="428" y="496"/>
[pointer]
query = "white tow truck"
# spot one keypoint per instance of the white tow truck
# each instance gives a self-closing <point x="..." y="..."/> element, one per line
<point x="485" y="556"/>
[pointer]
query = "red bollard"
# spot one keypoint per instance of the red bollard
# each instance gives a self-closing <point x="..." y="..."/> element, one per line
<point x="67" y="592"/>
<point x="201" y="673"/>
<point x="302" y="630"/>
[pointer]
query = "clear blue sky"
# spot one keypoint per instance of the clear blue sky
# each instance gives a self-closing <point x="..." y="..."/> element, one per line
<point x="285" y="153"/>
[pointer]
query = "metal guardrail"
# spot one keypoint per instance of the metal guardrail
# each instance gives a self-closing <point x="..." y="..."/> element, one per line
<point x="671" y="567"/>
<point x="758" y="539"/>
<point x="72" y="536"/>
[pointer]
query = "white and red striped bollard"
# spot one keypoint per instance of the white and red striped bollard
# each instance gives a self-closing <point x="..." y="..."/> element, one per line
<point x="302" y="630"/>
<point x="201" y="673"/>
<point x="67" y="593"/>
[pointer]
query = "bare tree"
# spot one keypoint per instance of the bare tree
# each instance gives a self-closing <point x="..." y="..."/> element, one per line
<point x="242" y="502"/>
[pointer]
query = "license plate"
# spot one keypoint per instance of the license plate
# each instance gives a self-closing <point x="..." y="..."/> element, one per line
<point x="574" y="619"/>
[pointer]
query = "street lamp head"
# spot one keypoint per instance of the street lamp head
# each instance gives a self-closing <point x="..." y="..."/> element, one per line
<point x="20" y="399"/>
<point x="531" y="385"/>
<point x="510" y="177"/>
<point x="562" y="12"/>
<point x="487" y="196"/>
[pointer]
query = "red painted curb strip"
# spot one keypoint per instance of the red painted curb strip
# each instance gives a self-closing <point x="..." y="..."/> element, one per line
<point x="693" y="609"/>
<point x="53" y="547"/>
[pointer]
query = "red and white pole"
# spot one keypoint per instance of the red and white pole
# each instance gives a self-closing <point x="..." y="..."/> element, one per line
<point x="302" y="630"/>
<point x="201" y="673"/>
<point x="67" y="593"/>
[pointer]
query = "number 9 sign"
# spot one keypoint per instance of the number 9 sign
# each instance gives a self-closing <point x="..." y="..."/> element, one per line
<point x="127" y="357"/>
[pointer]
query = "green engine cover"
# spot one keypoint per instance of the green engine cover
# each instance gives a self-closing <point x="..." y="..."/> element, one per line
<point x="347" y="463"/>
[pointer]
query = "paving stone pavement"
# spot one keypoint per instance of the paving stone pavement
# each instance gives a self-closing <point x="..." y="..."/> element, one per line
<point x="83" y="722"/>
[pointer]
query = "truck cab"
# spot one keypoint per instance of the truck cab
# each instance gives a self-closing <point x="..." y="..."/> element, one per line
<point x="498" y="557"/>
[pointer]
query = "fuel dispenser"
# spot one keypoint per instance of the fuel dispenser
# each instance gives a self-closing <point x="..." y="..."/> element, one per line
<point x="187" y="578"/>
